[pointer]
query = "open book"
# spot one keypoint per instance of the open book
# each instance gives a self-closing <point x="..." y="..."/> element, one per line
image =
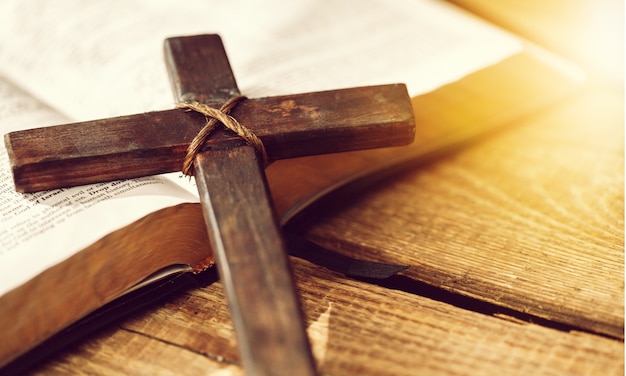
<point x="67" y="252"/>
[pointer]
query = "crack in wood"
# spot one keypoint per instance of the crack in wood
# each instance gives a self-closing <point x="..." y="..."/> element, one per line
<point x="217" y="358"/>
<point x="412" y="286"/>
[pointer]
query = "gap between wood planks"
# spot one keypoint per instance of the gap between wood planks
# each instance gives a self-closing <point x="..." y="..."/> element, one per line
<point x="411" y="286"/>
<point x="414" y="287"/>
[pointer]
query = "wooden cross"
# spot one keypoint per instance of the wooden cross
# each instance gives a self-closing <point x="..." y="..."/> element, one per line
<point x="250" y="253"/>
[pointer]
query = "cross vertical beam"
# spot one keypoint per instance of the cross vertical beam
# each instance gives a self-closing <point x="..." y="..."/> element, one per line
<point x="251" y="256"/>
<point x="253" y="264"/>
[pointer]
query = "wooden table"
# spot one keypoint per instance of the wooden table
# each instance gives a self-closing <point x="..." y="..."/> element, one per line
<point x="516" y="250"/>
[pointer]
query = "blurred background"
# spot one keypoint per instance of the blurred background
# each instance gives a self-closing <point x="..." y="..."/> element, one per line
<point x="591" y="33"/>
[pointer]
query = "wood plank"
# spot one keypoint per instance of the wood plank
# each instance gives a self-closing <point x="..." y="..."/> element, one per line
<point x="531" y="219"/>
<point x="156" y="142"/>
<point x="356" y="328"/>
<point x="199" y="69"/>
<point x="252" y="262"/>
<point x="141" y="355"/>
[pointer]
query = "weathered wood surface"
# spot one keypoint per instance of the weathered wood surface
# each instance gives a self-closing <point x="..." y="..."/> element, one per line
<point x="544" y="193"/>
<point x="253" y="264"/>
<point x="91" y="151"/>
<point x="241" y="221"/>
<point x="152" y="143"/>
<point x="355" y="328"/>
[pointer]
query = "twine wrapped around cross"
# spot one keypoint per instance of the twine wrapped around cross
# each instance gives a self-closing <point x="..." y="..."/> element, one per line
<point x="214" y="117"/>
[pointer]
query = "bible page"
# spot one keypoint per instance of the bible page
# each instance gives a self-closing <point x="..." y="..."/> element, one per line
<point x="94" y="60"/>
<point x="38" y="230"/>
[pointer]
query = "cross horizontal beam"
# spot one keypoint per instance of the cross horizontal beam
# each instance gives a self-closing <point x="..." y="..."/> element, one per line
<point x="156" y="142"/>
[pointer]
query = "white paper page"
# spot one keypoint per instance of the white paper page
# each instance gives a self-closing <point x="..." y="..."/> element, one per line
<point x="41" y="229"/>
<point x="99" y="59"/>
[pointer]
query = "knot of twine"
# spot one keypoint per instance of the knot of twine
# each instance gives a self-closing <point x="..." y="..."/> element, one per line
<point x="215" y="116"/>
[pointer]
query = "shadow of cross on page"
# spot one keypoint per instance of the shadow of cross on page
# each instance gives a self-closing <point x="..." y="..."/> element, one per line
<point x="229" y="171"/>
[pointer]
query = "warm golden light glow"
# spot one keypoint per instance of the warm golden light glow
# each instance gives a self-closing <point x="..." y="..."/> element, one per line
<point x="590" y="33"/>
<point x="600" y="37"/>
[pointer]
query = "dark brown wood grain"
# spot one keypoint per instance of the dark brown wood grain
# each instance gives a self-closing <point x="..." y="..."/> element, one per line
<point x="153" y="143"/>
<point x="250" y="253"/>
<point x="253" y="264"/>
<point x="199" y="69"/>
